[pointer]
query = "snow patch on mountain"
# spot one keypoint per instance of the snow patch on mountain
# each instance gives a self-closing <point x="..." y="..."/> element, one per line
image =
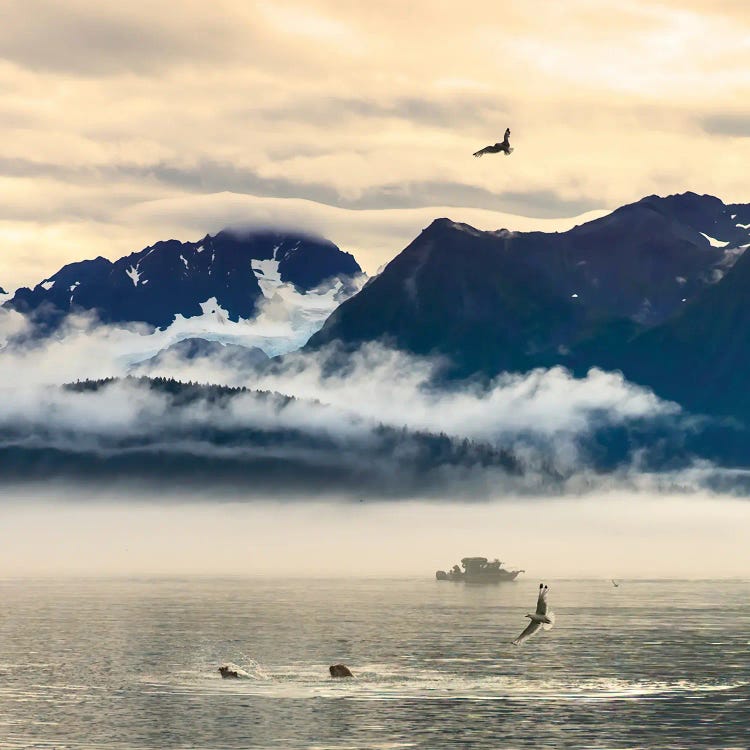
<point x="713" y="241"/>
<point x="47" y="285"/>
<point x="267" y="273"/>
<point x="287" y="318"/>
<point x="135" y="276"/>
<point x="285" y="321"/>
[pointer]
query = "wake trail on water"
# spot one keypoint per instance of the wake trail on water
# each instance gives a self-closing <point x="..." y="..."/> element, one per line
<point x="383" y="682"/>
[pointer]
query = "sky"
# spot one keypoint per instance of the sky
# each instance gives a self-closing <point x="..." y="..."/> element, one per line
<point x="125" y="123"/>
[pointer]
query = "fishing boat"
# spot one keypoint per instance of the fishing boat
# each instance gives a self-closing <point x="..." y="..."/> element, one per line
<point x="478" y="570"/>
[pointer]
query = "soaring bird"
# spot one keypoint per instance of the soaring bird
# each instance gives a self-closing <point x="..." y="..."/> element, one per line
<point x="542" y="618"/>
<point x="504" y="146"/>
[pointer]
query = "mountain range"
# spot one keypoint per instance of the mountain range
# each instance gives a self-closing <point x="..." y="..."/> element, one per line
<point x="657" y="289"/>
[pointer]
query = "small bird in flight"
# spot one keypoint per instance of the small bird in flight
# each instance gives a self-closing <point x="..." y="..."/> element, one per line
<point x="505" y="146"/>
<point x="540" y="619"/>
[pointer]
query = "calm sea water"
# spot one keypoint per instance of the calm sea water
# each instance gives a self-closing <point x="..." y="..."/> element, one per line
<point x="133" y="664"/>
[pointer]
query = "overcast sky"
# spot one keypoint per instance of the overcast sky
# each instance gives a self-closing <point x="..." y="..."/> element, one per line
<point x="125" y="123"/>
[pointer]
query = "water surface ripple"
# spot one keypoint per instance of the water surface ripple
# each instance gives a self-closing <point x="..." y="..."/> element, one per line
<point x="133" y="664"/>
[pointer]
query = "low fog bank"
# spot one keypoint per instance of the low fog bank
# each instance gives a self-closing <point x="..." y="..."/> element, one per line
<point x="337" y="423"/>
<point x="614" y="535"/>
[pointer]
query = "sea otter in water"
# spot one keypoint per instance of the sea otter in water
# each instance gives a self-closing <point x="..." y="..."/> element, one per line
<point x="231" y="671"/>
<point x="340" y="670"/>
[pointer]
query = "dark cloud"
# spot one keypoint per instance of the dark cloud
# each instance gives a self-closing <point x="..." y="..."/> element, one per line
<point x="102" y="39"/>
<point x="18" y="167"/>
<point x="532" y="203"/>
<point x="448" y="111"/>
<point x="215" y="177"/>
<point x="548" y="203"/>
<point x="735" y="125"/>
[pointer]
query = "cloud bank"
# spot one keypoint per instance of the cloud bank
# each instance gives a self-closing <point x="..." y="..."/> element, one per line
<point x="376" y="422"/>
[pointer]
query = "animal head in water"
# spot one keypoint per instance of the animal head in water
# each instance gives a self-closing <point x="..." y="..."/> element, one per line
<point x="340" y="670"/>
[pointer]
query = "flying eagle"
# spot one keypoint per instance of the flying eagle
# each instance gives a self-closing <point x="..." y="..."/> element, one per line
<point x="504" y="146"/>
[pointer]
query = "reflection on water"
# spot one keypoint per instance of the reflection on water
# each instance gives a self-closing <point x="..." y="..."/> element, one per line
<point x="133" y="664"/>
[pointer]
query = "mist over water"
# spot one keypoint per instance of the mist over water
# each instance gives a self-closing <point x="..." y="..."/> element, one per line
<point x="507" y="471"/>
<point x="376" y="420"/>
<point x="611" y="535"/>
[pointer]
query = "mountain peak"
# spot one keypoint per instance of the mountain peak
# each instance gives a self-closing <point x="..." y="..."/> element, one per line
<point x="444" y="224"/>
<point x="494" y="301"/>
<point x="169" y="278"/>
<point x="684" y="202"/>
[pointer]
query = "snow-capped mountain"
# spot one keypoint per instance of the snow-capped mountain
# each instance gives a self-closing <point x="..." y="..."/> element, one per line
<point x="258" y="288"/>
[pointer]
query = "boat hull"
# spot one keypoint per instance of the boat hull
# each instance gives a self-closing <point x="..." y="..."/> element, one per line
<point x="501" y="576"/>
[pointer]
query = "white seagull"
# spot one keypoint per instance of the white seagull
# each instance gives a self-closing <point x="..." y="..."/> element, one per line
<point x="542" y="618"/>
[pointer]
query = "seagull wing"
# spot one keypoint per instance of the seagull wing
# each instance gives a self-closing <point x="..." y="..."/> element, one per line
<point x="541" y="602"/>
<point x="531" y="628"/>
<point x="485" y="150"/>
